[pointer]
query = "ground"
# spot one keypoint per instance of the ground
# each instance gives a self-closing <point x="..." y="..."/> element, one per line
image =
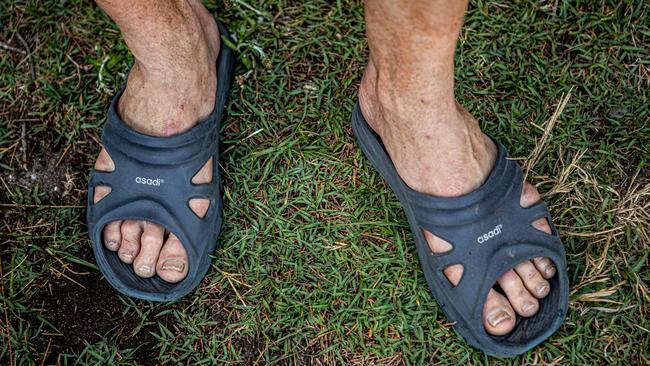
<point x="317" y="265"/>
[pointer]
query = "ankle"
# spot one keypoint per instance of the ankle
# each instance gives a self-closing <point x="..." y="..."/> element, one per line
<point x="437" y="148"/>
<point x="392" y="98"/>
<point x="171" y="88"/>
<point x="165" y="104"/>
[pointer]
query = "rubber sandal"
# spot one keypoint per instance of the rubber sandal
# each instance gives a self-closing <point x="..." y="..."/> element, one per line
<point x="490" y="233"/>
<point x="152" y="181"/>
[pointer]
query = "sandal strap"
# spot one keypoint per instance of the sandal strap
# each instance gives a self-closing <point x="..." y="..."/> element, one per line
<point x="479" y="226"/>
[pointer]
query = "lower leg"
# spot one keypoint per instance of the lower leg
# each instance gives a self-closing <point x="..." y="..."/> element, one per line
<point x="172" y="82"/>
<point x="411" y="75"/>
<point x="170" y="88"/>
<point x="407" y="96"/>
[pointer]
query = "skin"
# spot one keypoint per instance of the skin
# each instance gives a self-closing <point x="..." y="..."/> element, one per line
<point x="406" y="94"/>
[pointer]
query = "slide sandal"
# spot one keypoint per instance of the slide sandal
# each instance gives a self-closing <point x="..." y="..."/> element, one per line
<point x="490" y="233"/>
<point x="152" y="181"/>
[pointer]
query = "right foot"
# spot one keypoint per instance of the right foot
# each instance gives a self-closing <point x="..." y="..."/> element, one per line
<point x="438" y="149"/>
<point x="170" y="88"/>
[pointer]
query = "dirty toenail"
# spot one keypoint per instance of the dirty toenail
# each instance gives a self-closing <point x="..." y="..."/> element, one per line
<point x="542" y="289"/>
<point x="527" y="307"/>
<point x="111" y="244"/>
<point x="497" y="317"/>
<point x="549" y="270"/>
<point x="145" y="269"/>
<point x="174" y="265"/>
<point x="127" y="256"/>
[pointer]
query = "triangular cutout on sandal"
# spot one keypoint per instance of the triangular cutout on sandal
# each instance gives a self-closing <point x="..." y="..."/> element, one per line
<point x="205" y="175"/>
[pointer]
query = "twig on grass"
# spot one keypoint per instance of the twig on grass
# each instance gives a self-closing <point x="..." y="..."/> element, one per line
<point x="28" y="58"/>
<point x="9" y="48"/>
<point x="228" y="277"/>
<point x="541" y="143"/>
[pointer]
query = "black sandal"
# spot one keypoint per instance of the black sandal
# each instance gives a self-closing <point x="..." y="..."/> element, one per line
<point x="490" y="233"/>
<point x="152" y="181"/>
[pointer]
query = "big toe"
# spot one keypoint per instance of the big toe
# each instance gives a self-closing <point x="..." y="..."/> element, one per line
<point x="498" y="316"/>
<point x="172" y="264"/>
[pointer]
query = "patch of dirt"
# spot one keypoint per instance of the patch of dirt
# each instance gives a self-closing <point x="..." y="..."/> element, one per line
<point x="56" y="175"/>
<point x="222" y="306"/>
<point x="82" y="309"/>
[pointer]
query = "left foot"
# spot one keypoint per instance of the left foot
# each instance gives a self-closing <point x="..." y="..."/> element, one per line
<point x="438" y="149"/>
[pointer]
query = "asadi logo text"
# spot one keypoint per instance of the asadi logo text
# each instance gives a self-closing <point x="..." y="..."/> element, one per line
<point x="490" y="234"/>
<point x="149" y="182"/>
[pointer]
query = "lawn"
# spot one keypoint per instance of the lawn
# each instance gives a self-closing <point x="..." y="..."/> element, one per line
<point x="317" y="265"/>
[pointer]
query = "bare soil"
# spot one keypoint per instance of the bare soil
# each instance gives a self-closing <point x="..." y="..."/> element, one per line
<point x="83" y="308"/>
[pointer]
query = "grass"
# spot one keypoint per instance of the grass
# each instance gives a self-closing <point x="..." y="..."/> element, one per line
<point x="317" y="265"/>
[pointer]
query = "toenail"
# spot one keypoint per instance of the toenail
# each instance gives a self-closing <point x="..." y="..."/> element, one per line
<point x="498" y="317"/>
<point x="542" y="289"/>
<point x="111" y="244"/>
<point x="174" y="265"/>
<point x="527" y="308"/>
<point x="126" y="255"/>
<point x="145" y="269"/>
<point x="549" y="270"/>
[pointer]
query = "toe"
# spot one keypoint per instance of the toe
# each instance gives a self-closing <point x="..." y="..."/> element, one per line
<point x="173" y="263"/>
<point x="545" y="267"/>
<point x="112" y="235"/>
<point x="150" y="244"/>
<point x="522" y="301"/>
<point x="498" y="315"/>
<point x="532" y="279"/>
<point x="131" y="231"/>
